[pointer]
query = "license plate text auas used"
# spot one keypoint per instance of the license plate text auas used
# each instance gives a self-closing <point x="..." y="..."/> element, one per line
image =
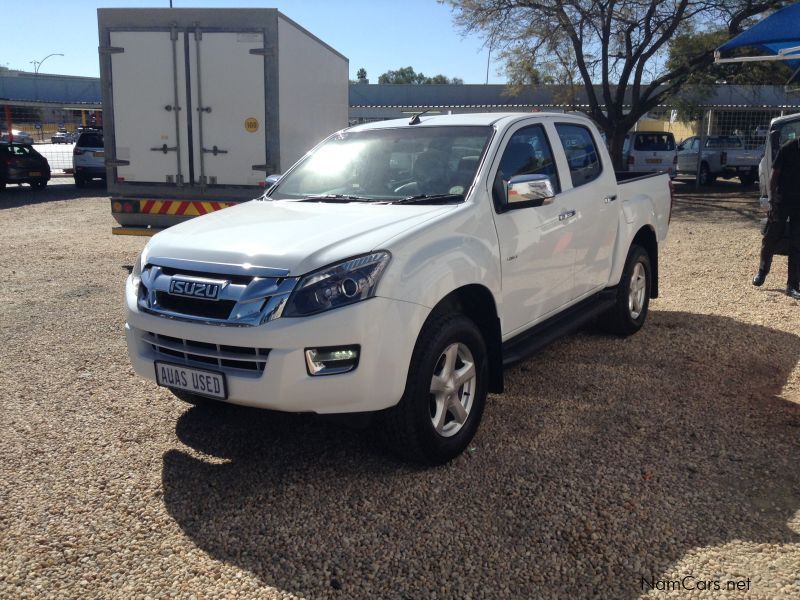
<point x="198" y="381"/>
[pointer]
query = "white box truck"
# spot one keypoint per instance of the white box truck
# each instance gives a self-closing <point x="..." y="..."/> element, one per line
<point x="200" y="105"/>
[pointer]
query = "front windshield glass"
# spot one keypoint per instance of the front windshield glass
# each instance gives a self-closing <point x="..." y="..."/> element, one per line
<point x="389" y="164"/>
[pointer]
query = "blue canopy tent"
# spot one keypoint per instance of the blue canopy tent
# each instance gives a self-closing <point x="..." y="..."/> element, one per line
<point x="777" y="37"/>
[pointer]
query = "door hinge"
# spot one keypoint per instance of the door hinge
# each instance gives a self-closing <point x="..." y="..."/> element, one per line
<point x="214" y="150"/>
<point x="164" y="148"/>
<point x="110" y="50"/>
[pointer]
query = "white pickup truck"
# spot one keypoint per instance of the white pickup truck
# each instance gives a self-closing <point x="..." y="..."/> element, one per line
<point x="724" y="156"/>
<point x="396" y="268"/>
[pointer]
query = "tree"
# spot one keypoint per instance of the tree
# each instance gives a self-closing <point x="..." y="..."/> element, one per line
<point x="617" y="48"/>
<point x="361" y="74"/>
<point x="409" y="75"/>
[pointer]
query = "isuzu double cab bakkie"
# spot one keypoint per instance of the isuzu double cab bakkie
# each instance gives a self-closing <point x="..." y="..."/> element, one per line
<point x="396" y="268"/>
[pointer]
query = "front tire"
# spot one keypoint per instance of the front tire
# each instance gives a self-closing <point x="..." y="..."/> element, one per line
<point x="629" y="312"/>
<point x="705" y="175"/>
<point x="445" y="394"/>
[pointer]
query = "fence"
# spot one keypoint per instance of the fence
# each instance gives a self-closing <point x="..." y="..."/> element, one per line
<point x="39" y="125"/>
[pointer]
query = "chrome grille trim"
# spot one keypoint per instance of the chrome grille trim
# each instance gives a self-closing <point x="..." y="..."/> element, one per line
<point x="203" y="355"/>
<point x="253" y="299"/>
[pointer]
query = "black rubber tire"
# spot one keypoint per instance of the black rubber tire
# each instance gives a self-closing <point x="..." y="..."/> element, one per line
<point x="747" y="180"/>
<point x="40" y="184"/>
<point x="406" y="428"/>
<point x="2" y="184"/>
<point x="618" y="319"/>
<point x="191" y="398"/>
<point x="80" y="181"/>
<point x="706" y="178"/>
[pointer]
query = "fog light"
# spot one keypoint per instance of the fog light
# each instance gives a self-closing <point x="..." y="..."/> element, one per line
<point x="331" y="360"/>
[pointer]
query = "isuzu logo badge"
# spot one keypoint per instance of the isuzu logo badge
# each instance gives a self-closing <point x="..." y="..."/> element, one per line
<point x="204" y="290"/>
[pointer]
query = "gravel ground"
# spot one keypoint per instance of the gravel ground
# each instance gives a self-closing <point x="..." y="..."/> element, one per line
<point x="610" y="466"/>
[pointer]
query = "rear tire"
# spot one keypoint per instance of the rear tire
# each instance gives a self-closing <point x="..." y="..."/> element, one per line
<point x="747" y="180"/>
<point x="80" y="181"/>
<point x="705" y="175"/>
<point x="629" y="312"/>
<point x="445" y="394"/>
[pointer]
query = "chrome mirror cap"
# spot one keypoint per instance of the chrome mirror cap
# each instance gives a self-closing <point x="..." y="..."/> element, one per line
<point x="533" y="190"/>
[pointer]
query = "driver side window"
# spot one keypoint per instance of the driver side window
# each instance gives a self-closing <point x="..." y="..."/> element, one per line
<point x="528" y="153"/>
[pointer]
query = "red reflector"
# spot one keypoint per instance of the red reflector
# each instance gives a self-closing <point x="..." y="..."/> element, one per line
<point x="120" y="179"/>
<point x="127" y="207"/>
<point x="77" y="151"/>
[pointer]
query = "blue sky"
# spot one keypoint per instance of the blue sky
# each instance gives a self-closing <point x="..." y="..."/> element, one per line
<point x="375" y="34"/>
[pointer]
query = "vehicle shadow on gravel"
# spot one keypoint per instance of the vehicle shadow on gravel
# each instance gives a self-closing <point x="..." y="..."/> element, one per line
<point x="606" y="461"/>
<point x="725" y="197"/>
<point x="14" y="196"/>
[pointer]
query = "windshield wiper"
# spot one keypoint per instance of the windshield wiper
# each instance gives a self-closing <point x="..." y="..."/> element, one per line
<point x="335" y="198"/>
<point x="428" y="198"/>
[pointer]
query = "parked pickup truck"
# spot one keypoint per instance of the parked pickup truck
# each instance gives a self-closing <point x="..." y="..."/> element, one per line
<point x="724" y="156"/>
<point x="396" y="268"/>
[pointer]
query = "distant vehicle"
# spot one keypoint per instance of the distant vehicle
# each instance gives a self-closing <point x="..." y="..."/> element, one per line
<point x="20" y="163"/>
<point x="20" y="137"/>
<point x="60" y="137"/>
<point x="649" y="151"/>
<point x="781" y="130"/>
<point x="723" y="156"/>
<point x="88" y="157"/>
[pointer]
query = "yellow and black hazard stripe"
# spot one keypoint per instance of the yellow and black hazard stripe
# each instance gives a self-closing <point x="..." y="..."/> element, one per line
<point x="179" y="208"/>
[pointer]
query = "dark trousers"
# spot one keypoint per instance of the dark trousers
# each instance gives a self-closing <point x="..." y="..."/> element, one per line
<point x="776" y="228"/>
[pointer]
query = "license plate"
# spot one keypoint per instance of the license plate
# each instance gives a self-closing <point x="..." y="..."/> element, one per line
<point x="197" y="381"/>
<point x="99" y="154"/>
<point x="34" y="173"/>
<point x="653" y="161"/>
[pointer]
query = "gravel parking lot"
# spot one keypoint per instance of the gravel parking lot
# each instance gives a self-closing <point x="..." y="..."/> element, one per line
<point x="611" y="468"/>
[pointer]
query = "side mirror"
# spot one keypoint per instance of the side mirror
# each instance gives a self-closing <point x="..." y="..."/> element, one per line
<point x="680" y="147"/>
<point x="529" y="190"/>
<point x="271" y="180"/>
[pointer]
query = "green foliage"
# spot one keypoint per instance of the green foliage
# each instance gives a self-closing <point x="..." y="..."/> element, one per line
<point x="409" y="75"/>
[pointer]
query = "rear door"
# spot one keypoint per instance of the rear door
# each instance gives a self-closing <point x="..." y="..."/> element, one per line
<point x="149" y="98"/>
<point x="228" y="99"/>
<point x="189" y="106"/>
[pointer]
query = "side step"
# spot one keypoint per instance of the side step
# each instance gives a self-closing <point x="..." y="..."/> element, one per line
<point x="534" y="339"/>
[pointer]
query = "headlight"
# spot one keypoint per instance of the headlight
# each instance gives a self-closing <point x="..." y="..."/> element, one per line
<point x="339" y="285"/>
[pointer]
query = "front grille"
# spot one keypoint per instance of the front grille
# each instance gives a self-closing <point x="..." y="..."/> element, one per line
<point x="243" y="299"/>
<point x="209" y="309"/>
<point x="202" y="354"/>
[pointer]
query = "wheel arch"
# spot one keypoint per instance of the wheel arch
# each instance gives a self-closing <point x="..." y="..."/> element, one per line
<point x="476" y="302"/>
<point x="646" y="238"/>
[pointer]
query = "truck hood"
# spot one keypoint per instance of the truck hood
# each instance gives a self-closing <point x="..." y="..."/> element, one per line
<point x="296" y="236"/>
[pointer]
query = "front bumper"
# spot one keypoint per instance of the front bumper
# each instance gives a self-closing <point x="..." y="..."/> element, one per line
<point x="385" y="329"/>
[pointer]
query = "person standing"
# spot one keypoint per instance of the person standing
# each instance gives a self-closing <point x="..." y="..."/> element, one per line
<point x="784" y="187"/>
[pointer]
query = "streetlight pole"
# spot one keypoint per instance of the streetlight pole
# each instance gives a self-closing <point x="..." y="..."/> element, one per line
<point x="36" y="65"/>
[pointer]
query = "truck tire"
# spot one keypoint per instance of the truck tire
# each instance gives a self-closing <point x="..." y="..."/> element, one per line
<point x="706" y="178"/>
<point x="79" y="181"/>
<point x="39" y="184"/>
<point x="445" y="393"/>
<point x="629" y="312"/>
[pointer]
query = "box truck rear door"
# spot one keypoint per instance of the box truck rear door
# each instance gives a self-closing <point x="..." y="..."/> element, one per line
<point x="228" y="88"/>
<point x="149" y="99"/>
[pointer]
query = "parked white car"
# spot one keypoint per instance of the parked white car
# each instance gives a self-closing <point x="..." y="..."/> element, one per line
<point x="649" y="151"/>
<point x="20" y="137"/>
<point x="396" y="268"/>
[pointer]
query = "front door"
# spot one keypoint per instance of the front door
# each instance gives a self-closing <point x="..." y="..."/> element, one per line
<point x="536" y="243"/>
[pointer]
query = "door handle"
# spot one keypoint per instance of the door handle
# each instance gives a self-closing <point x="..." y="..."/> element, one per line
<point x="566" y="215"/>
<point x="164" y="148"/>
<point x="610" y="199"/>
<point x="214" y="151"/>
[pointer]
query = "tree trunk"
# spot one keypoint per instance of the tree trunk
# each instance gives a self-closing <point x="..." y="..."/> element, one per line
<point x="616" y="140"/>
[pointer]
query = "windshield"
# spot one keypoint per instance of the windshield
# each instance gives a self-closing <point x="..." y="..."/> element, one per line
<point x="723" y="141"/>
<point x="389" y="164"/>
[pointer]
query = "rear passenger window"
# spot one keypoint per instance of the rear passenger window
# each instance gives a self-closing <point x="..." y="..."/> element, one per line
<point x="581" y="152"/>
